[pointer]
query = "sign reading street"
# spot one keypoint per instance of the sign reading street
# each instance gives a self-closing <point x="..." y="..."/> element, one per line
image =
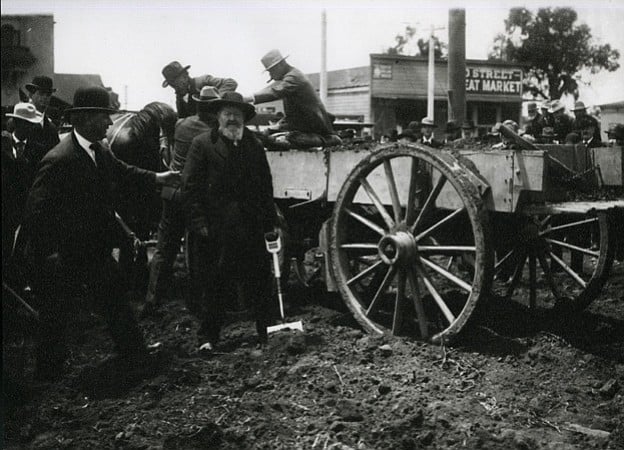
<point x="490" y="80"/>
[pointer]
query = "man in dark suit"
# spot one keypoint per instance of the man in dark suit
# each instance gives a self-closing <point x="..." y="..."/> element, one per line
<point x="173" y="221"/>
<point x="18" y="169"/>
<point x="185" y="86"/>
<point x="426" y="128"/>
<point x="70" y="224"/>
<point x="40" y="92"/>
<point x="228" y="192"/>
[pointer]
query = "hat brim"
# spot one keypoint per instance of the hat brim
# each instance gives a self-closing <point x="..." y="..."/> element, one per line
<point x="275" y="63"/>
<point x="184" y="69"/>
<point x="33" y="87"/>
<point x="248" y="109"/>
<point x="24" y="118"/>
<point x="91" y="109"/>
<point x="200" y="100"/>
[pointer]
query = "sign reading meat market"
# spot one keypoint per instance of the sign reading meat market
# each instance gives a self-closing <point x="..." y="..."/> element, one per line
<point x="494" y="80"/>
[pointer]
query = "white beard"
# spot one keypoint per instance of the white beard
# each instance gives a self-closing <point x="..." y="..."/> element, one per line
<point x="232" y="132"/>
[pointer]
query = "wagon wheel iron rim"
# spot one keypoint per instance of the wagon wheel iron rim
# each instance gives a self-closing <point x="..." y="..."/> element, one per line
<point x="560" y="261"/>
<point x="395" y="247"/>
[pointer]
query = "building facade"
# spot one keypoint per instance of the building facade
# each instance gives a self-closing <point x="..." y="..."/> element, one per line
<point x="392" y="91"/>
<point x="27" y="50"/>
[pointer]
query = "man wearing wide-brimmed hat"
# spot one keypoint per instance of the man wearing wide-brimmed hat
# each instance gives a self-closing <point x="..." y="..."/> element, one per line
<point x="70" y="224"/>
<point x="534" y="124"/>
<point x="228" y="191"/>
<point x="580" y="120"/>
<point x="173" y="220"/>
<point x="40" y="91"/>
<point x="303" y="109"/>
<point x="177" y="76"/>
<point x="18" y="168"/>
<point x="562" y="122"/>
<point x="427" y="126"/>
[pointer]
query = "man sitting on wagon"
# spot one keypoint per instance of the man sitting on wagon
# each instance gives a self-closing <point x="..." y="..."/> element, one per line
<point x="177" y="76"/>
<point x="306" y="123"/>
<point x="426" y="128"/>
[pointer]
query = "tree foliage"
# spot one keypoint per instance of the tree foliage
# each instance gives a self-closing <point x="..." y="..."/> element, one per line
<point x="404" y="39"/>
<point x="555" y="47"/>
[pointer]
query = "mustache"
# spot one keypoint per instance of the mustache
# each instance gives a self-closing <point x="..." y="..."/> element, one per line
<point x="234" y="123"/>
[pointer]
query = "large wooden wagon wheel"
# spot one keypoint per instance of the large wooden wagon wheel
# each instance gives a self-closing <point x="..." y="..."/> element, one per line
<point x="408" y="235"/>
<point x="559" y="260"/>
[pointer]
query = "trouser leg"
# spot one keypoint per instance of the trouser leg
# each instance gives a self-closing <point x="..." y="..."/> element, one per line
<point x="170" y="232"/>
<point x="108" y="295"/>
<point x="208" y="286"/>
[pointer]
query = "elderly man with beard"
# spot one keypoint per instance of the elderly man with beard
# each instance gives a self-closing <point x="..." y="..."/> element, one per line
<point x="228" y="192"/>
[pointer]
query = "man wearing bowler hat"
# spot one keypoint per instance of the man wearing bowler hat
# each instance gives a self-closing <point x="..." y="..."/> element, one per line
<point x="228" y="193"/>
<point x="70" y="224"/>
<point x="172" y="222"/>
<point x="177" y="76"/>
<point x="40" y="92"/>
<point x="303" y="109"/>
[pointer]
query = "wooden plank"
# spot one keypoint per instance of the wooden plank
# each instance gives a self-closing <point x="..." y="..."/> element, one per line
<point x="572" y="207"/>
<point x="610" y="162"/>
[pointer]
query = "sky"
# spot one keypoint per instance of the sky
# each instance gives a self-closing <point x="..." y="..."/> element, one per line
<point x="128" y="42"/>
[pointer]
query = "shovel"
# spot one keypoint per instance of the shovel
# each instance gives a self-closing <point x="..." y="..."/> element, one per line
<point x="273" y="246"/>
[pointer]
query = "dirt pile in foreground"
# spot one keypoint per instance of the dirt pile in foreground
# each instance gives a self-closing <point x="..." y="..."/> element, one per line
<point x="516" y="381"/>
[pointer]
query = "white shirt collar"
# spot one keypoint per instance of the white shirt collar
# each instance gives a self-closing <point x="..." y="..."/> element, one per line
<point x="16" y="140"/>
<point x="86" y="145"/>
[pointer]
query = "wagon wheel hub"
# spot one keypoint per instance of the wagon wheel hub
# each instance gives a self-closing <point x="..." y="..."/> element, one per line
<point x="398" y="247"/>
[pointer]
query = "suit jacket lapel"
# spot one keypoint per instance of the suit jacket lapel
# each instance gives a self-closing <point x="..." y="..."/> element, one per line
<point x="81" y="155"/>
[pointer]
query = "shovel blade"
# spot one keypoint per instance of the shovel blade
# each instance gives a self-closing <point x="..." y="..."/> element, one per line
<point x="286" y="326"/>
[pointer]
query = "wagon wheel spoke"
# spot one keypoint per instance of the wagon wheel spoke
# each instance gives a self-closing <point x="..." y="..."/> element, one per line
<point x="583" y="250"/>
<point x="541" y="256"/>
<point x="517" y="276"/>
<point x="412" y="191"/>
<point x="394" y="194"/>
<point x="418" y="305"/>
<point x="446" y="274"/>
<point x="364" y="273"/>
<point x="446" y="249"/>
<point x="504" y="259"/>
<point x="370" y="224"/>
<point x="450" y="317"/>
<point x="377" y="202"/>
<point x="381" y="290"/>
<point x="575" y="276"/>
<point x="429" y="202"/>
<point x="399" y="303"/>
<point x="438" y="224"/>
<point x="568" y="225"/>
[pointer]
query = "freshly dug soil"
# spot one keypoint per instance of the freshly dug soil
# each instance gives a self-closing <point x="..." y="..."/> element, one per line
<point x="517" y="380"/>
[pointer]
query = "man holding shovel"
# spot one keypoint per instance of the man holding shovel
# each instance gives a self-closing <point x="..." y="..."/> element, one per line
<point x="228" y="190"/>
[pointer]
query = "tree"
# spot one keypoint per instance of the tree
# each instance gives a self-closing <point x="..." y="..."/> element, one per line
<point x="402" y="40"/>
<point x="556" y="49"/>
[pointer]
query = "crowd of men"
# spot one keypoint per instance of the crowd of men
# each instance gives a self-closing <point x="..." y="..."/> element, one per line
<point x="218" y="190"/>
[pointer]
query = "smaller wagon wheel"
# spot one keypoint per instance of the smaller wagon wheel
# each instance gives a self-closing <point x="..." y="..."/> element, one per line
<point x="560" y="260"/>
<point x="408" y="235"/>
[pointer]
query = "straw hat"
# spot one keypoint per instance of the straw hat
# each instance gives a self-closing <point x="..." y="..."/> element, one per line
<point x="27" y="112"/>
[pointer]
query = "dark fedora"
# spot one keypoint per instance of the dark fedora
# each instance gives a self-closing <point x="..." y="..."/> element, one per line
<point x="93" y="98"/>
<point x="232" y="99"/>
<point x="468" y="125"/>
<point x="451" y="126"/>
<point x="40" y="83"/>
<point x="172" y="71"/>
<point x="408" y="134"/>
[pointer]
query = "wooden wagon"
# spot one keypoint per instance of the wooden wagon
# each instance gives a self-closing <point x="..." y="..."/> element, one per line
<point x="416" y="238"/>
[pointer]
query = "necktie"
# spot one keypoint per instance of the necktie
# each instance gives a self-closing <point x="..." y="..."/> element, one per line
<point x="19" y="148"/>
<point x="99" y="161"/>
